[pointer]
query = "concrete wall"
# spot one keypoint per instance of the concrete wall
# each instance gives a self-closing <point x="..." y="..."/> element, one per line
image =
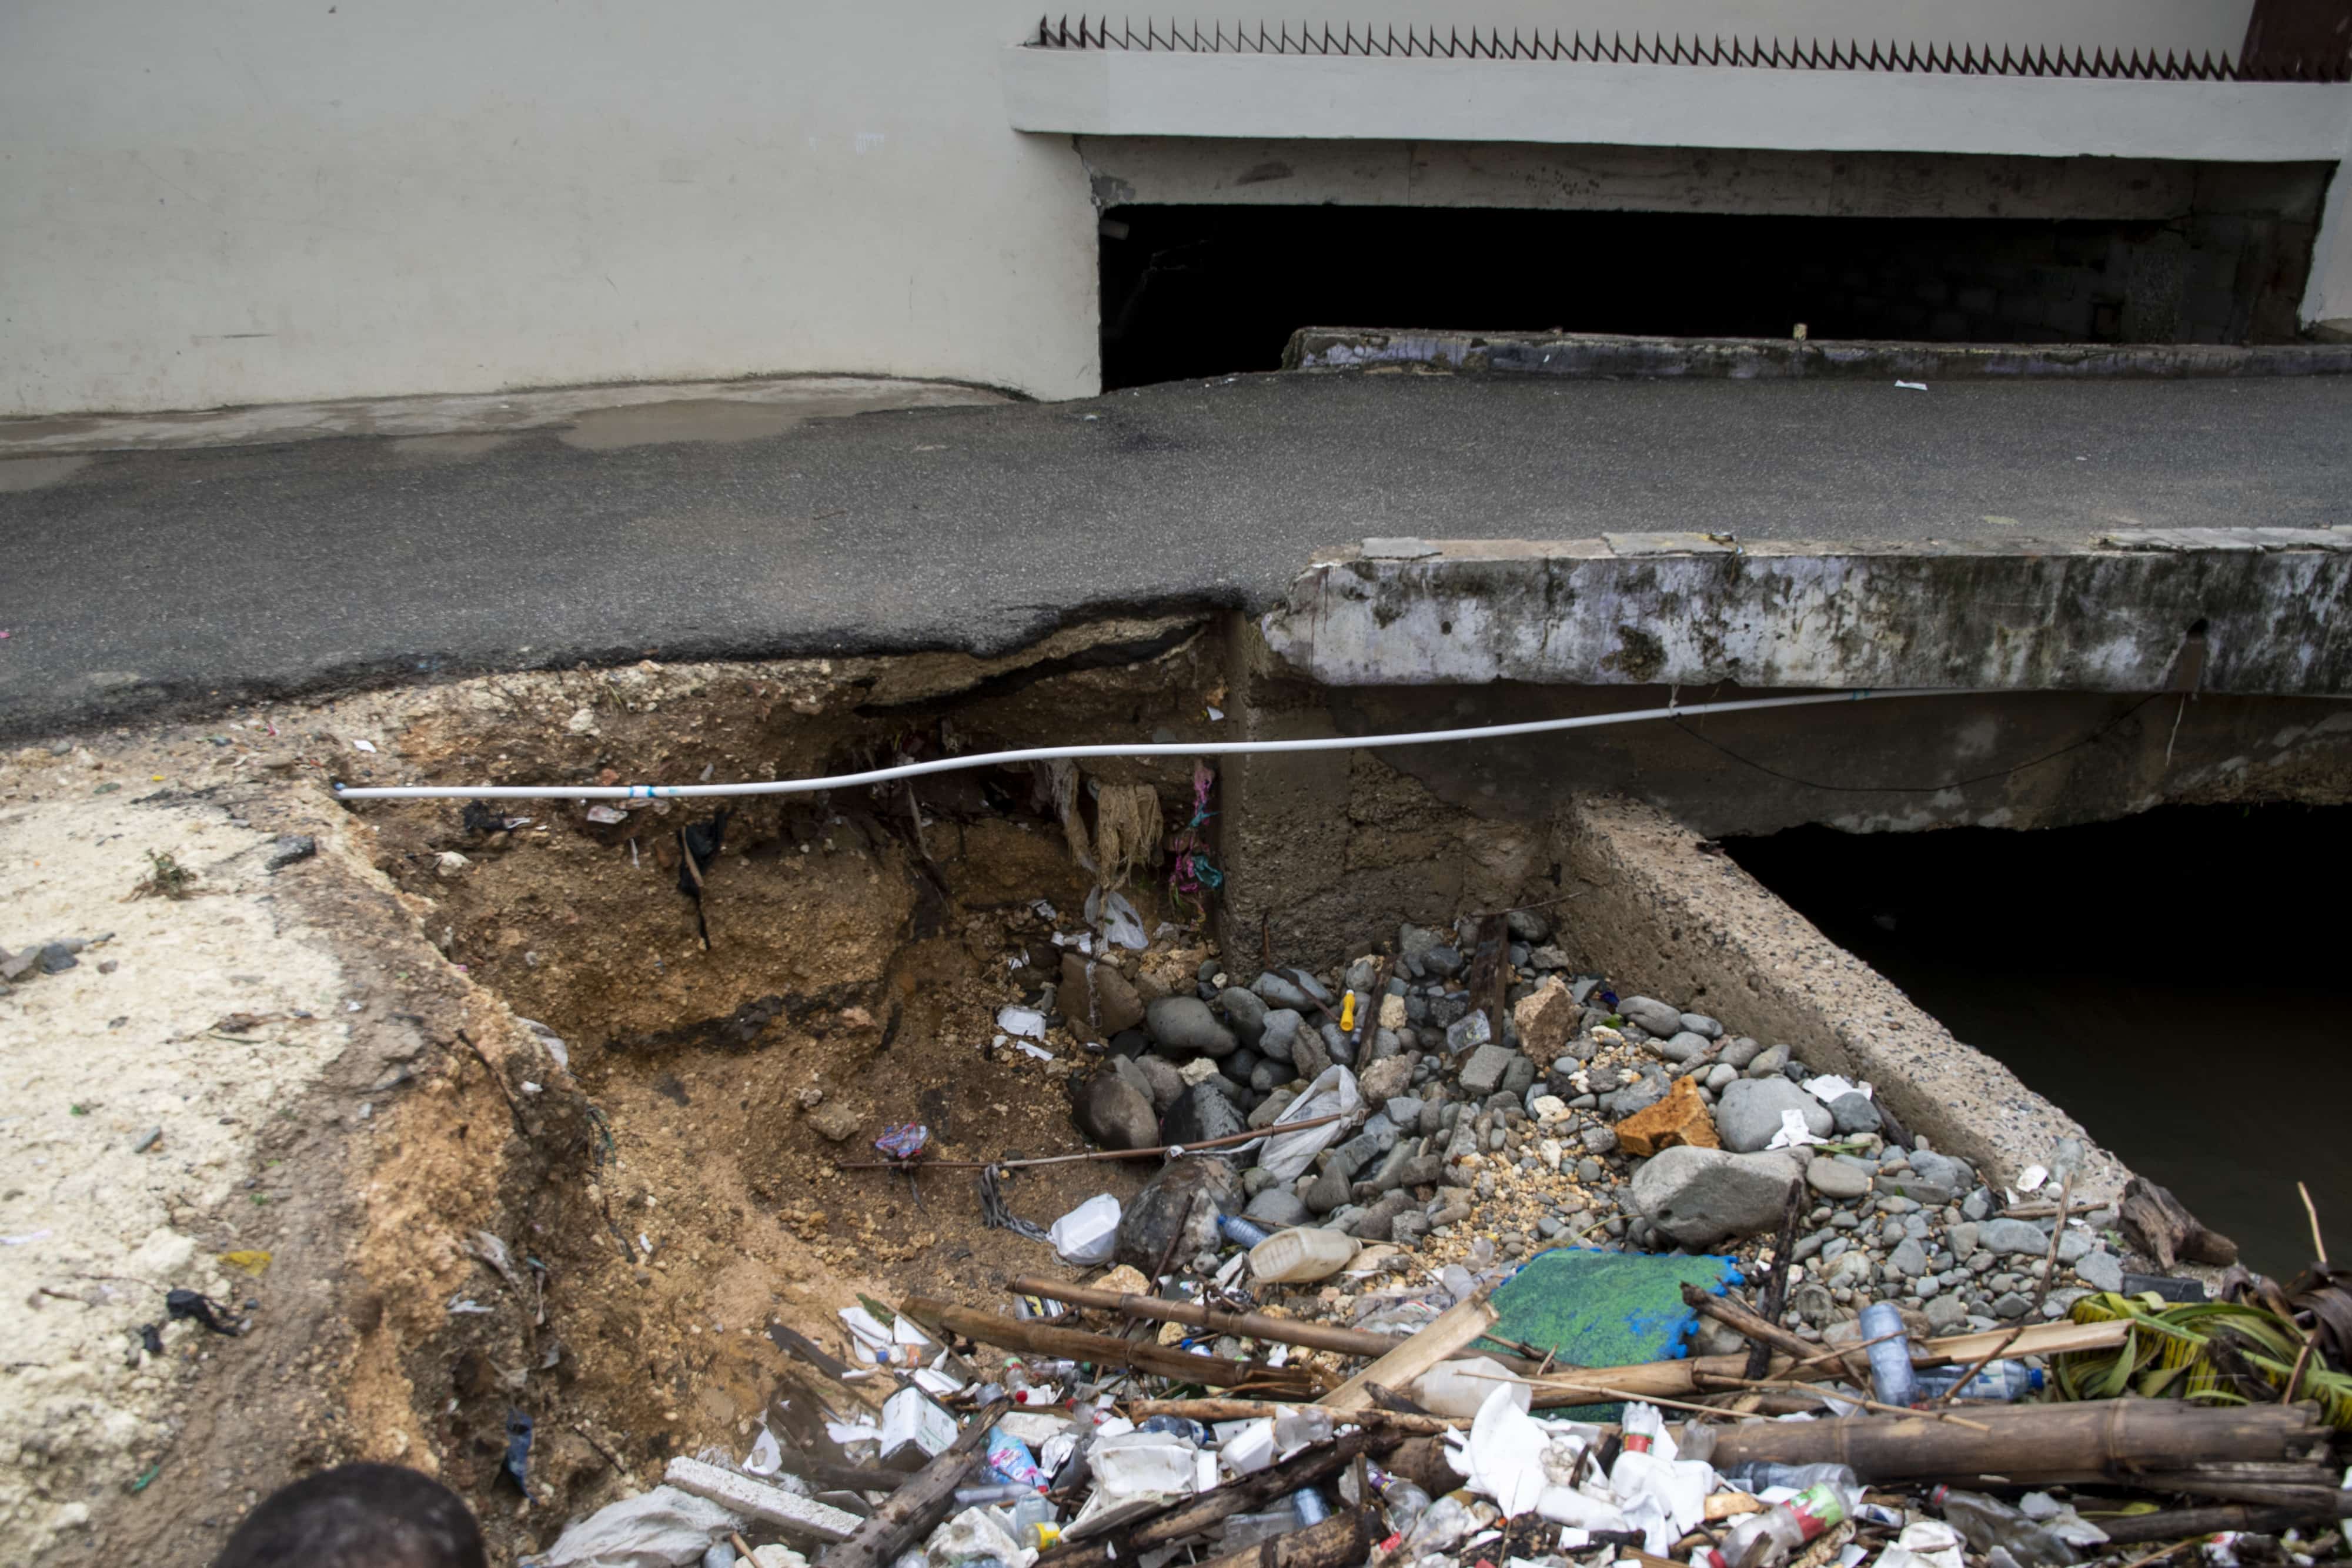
<point x="261" y="201"/>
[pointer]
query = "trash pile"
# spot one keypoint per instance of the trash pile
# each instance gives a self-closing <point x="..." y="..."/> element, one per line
<point x="1420" y="1280"/>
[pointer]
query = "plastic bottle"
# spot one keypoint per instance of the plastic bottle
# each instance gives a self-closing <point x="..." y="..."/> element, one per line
<point x="1405" y="1503"/>
<point x="1248" y="1528"/>
<point x="1002" y="1491"/>
<point x="1765" y="1540"/>
<point x="1301" y="1255"/>
<point x="1998" y="1380"/>
<point x="1310" y="1506"/>
<point x="1240" y="1231"/>
<point x="1986" y="1523"/>
<point x="1761" y="1478"/>
<point x="1461" y="1387"/>
<point x="1440" y="1528"/>
<point x="1890" y="1357"/>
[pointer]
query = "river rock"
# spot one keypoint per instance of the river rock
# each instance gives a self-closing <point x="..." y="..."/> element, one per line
<point x="1851" y="1114"/>
<point x="1639" y="1095"/>
<point x="1699" y="1197"/>
<point x="1149" y="1223"/>
<point x="1749" y="1113"/>
<point x="1279" y="991"/>
<point x="1703" y="1026"/>
<point x="1184" y="1025"/>
<point x="1114" y="1112"/>
<point x="1277" y="1208"/>
<point x="1651" y="1015"/>
<point x="2102" y="1271"/>
<point x="1836" y="1180"/>
<point x="1740" y="1051"/>
<point x="1768" y="1063"/>
<point x="2012" y="1238"/>
<point x="1680" y="1047"/>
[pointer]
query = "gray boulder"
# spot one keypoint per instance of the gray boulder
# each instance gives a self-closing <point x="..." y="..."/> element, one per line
<point x="1699" y="1197"/>
<point x="1161" y="1081"/>
<point x="1148" y="1225"/>
<point x="1703" y="1026"/>
<point x="1281" y="1026"/>
<point x="1203" y="1113"/>
<point x="1680" y="1047"/>
<point x="1115" y="1113"/>
<point x="1768" y="1063"/>
<point x="1246" y="1011"/>
<point x="1653" y="1015"/>
<point x="1749" y="1113"/>
<point x="2014" y="1237"/>
<point x="1851" y="1114"/>
<point x="1184" y="1025"/>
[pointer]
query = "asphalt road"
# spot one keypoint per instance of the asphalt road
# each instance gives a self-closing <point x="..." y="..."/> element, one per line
<point x="167" y="582"/>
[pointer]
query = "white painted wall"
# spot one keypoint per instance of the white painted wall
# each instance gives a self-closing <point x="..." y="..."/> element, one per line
<point x="210" y="202"/>
<point x="207" y="202"/>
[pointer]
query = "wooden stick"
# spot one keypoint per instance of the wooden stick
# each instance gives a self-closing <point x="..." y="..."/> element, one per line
<point x="1122" y="1543"/>
<point x="1213" y="1410"/>
<point x="1102" y="1349"/>
<point x="1975" y="1366"/>
<point x="1776" y="1292"/>
<point x="916" y="1508"/>
<point x="1249" y="1325"/>
<point x="2034" y="1444"/>
<point x="1857" y="1399"/>
<point x="1339" y="1541"/>
<point x="2057" y="1234"/>
<point x="1452" y="1328"/>
<point x="1089" y="1154"/>
<point x="2132" y="1529"/>
<point x="742" y="1548"/>
<point x="1724" y="1311"/>
<point x="2318" y="1247"/>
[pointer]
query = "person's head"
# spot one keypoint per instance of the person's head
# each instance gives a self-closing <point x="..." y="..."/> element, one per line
<point x="358" y="1516"/>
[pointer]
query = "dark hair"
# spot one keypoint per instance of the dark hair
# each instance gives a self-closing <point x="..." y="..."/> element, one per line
<point x="358" y="1516"/>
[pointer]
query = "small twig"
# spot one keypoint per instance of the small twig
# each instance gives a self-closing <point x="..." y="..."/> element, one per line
<point x="2318" y="1247"/>
<point x="1175" y="1239"/>
<point x="742" y="1550"/>
<point x="2175" y="1550"/>
<point x="1847" y="1399"/>
<point x="513" y="1109"/>
<point x="1986" y="1359"/>
<point x="2057" y="1234"/>
<point x="1270" y="1132"/>
<point x="1776" y="1291"/>
<point x="611" y="1457"/>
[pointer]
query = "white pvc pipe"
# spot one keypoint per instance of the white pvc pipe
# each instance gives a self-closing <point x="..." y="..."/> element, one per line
<point x="1141" y="748"/>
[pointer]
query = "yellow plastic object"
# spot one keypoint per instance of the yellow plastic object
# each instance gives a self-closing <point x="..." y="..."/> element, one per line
<point x="254" y="1263"/>
<point x="1348" y="1014"/>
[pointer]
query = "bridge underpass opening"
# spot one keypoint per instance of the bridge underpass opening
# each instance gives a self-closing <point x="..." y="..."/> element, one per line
<point x="1193" y="290"/>
<point x="2160" y="977"/>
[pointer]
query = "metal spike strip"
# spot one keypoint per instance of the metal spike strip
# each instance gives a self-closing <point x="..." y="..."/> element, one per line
<point x="1755" y="53"/>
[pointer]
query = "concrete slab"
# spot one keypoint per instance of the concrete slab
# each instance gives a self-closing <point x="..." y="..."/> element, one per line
<point x="148" y="581"/>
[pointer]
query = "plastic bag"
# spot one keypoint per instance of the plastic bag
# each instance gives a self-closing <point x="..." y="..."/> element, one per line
<point x="1116" y="918"/>
<point x="1287" y="1156"/>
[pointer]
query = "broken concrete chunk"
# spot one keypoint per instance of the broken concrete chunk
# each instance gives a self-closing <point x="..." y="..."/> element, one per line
<point x="1681" y="1119"/>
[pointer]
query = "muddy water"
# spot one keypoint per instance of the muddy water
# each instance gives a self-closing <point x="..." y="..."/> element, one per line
<point x="2177" y="981"/>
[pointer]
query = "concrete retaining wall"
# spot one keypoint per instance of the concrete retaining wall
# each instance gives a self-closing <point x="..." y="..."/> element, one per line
<point x="1693" y="610"/>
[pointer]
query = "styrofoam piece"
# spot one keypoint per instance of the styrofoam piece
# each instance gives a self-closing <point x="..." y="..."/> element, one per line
<point x="758" y="1500"/>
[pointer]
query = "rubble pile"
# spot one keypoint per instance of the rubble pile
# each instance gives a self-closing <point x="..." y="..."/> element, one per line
<point x="1329" y="1332"/>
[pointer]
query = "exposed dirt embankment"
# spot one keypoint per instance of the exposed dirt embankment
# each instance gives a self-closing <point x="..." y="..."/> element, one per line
<point x="461" y="1219"/>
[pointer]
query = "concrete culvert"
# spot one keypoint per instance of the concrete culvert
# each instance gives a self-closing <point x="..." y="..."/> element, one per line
<point x="491" y="1129"/>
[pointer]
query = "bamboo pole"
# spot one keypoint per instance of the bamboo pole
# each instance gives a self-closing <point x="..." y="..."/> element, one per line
<point x="1249" y="1325"/>
<point x="1102" y="1349"/>
<point x="1122" y="1543"/>
<point x="2033" y="1444"/>
<point x="1451" y="1329"/>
